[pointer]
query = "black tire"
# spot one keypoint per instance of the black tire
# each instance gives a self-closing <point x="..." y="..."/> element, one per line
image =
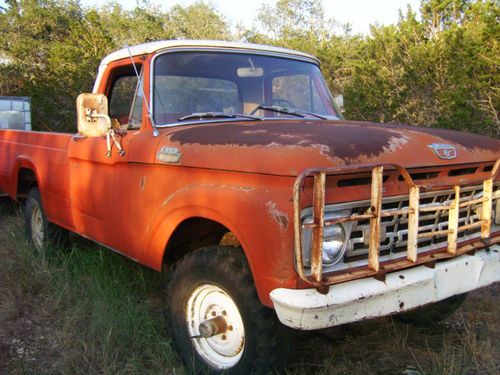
<point x="433" y="313"/>
<point x="40" y="233"/>
<point x="227" y="269"/>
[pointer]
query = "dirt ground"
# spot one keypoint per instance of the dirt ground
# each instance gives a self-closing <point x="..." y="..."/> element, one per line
<point x="27" y="337"/>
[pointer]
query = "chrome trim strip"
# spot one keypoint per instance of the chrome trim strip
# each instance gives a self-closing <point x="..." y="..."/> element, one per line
<point x="237" y="119"/>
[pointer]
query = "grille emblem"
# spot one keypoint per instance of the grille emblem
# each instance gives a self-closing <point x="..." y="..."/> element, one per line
<point x="444" y="150"/>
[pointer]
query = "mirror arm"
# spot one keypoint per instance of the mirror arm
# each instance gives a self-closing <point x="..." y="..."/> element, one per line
<point x="99" y="115"/>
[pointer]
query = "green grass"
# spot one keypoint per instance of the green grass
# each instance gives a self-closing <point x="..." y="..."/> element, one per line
<point x="88" y="310"/>
<point x="106" y="311"/>
<point x="113" y="310"/>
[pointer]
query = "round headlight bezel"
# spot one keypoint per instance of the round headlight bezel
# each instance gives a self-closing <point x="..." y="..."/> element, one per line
<point x="336" y="236"/>
<point x="306" y="237"/>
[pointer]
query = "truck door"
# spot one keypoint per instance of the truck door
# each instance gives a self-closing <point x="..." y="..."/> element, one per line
<point x="96" y="194"/>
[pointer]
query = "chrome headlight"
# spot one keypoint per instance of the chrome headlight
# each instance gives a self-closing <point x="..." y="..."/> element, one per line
<point x="335" y="239"/>
<point x="333" y="244"/>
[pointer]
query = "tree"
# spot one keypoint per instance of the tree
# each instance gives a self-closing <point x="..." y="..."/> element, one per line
<point x="53" y="47"/>
<point x="49" y="48"/>
<point x="197" y="21"/>
<point x="441" y="70"/>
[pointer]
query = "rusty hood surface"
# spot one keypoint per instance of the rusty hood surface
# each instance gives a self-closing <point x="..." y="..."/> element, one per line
<point x="288" y="147"/>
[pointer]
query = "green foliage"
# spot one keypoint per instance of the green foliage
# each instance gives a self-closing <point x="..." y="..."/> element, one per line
<point x="197" y="21"/>
<point x="54" y="47"/>
<point x="440" y="71"/>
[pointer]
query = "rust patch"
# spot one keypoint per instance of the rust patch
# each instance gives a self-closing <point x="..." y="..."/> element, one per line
<point x="279" y="216"/>
<point x="395" y="143"/>
<point x="349" y="141"/>
<point x="467" y="140"/>
<point x="244" y="189"/>
<point x="344" y="140"/>
<point x="168" y="199"/>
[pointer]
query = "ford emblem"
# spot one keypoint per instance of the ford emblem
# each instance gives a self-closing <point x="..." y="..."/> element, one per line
<point x="444" y="150"/>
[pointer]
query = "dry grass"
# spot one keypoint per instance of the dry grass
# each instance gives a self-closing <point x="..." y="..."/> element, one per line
<point x="90" y="311"/>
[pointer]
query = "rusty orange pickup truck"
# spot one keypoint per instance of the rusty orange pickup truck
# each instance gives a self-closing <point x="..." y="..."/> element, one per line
<point x="230" y="167"/>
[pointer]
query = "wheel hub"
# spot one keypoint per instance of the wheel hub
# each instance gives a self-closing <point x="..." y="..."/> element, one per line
<point x="215" y="323"/>
<point x="37" y="227"/>
<point x="212" y="327"/>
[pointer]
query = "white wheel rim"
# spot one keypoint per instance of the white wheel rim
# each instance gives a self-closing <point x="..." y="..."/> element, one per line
<point x="225" y="349"/>
<point x="37" y="227"/>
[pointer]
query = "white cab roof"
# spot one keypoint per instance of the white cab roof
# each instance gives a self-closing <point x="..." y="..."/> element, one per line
<point x="151" y="47"/>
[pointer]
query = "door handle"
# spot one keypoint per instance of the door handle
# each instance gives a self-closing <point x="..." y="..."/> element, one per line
<point x="77" y="137"/>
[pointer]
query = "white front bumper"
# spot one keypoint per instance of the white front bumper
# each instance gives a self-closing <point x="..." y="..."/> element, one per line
<point x="402" y="290"/>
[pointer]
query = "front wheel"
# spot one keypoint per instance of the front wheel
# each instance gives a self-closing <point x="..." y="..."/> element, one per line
<point x="216" y="319"/>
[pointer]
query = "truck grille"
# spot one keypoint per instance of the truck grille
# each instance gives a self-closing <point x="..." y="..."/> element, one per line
<point x="389" y="233"/>
<point x="394" y="229"/>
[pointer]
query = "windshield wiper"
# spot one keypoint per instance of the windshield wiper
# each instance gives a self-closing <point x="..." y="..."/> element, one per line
<point x="288" y="111"/>
<point x="202" y="115"/>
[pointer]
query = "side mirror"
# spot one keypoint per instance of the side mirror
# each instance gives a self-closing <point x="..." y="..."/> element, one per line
<point x="339" y="101"/>
<point x="92" y="112"/>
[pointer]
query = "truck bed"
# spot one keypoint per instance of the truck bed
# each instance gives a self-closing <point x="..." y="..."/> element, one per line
<point x="46" y="154"/>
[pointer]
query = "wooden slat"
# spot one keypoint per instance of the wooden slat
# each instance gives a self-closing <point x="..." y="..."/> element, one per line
<point x="297" y="228"/>
<point x="317" y="231"/>
<point x="469" y="226"/>
<point x="434" y="208"/>
<point x="338" y="220"/>
<point x="472" y="202"/>
<point x="486" y="208"/>
<point x="390" y="213"/>
<point x="453" y="222"/>
<point x="448" y="231"/>
<point x="375" y="207"/>
<point x="434" y="233"/>
<point x="413" y="223"/>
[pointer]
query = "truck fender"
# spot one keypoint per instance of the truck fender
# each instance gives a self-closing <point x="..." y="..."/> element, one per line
<point x="245" y="206"/>
<point x="22" y="162"/>
<point x="167" y="222"/>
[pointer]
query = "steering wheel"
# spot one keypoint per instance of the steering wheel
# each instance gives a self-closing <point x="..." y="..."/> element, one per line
<point x="283" y="103"/>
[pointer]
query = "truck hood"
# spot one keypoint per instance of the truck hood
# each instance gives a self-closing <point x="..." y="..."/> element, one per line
<point x="288" y="147"/>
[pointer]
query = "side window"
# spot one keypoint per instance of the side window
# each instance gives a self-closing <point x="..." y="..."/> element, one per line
<point x="135" y="118"/>
<point x="292" y="91"/>
<point x="122" y="96"/>
<point x="125" y="102"/>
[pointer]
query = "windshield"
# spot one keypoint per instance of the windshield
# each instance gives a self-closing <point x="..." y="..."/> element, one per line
<point x="207" y="85"/>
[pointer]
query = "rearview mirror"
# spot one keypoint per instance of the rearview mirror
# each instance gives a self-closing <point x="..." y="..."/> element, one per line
<point x="92" y="112"/>
<point x="339" y="101"/>
<point x="250" y="72"/>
